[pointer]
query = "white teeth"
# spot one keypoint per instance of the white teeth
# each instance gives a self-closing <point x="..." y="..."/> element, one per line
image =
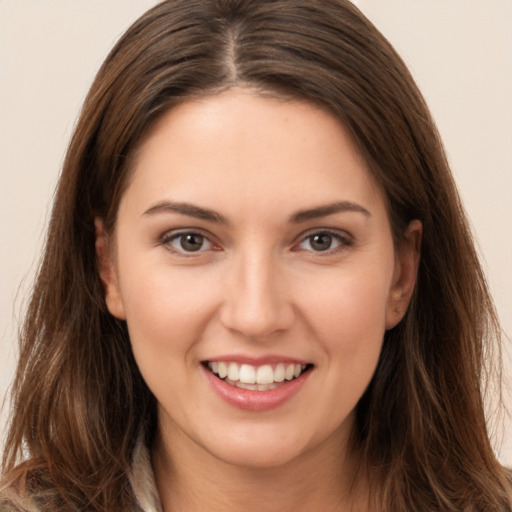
<point x="223" y="370"/>
<point x="265" y="375"/>
<point x="247" y="374"/>
<point x="279" y="373"/>
<point x="233" y="373"/>
<point x="254" y="387"/>
<point x="243" y="385"/>
<point x="251" y="377"/>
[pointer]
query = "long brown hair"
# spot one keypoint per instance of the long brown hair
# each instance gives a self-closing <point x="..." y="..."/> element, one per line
<point x="78" y="399"/>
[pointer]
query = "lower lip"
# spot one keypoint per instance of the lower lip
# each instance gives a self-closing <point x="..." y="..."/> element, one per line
<point x="256" y="401"/>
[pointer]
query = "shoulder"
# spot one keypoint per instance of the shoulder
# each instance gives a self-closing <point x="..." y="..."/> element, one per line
<point x="26" y="489"/>
<point x="29" y="487"/>
<point x="10" y="501"/>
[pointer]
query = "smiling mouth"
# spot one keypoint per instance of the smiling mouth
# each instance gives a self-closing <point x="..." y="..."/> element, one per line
<point x="256" y="378"/>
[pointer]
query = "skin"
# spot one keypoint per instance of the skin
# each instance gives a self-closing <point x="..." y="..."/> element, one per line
<point x="258" y="286"/>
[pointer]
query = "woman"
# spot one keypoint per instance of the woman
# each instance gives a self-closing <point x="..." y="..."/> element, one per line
<point x="259" y="289"/>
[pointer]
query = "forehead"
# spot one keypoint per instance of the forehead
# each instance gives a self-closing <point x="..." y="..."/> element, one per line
<point x="244" y="150"/>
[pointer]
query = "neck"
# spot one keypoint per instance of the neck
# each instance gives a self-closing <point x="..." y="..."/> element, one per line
<point x="191" y="479"/>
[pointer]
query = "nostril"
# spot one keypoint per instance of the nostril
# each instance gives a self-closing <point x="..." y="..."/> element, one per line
<point x="256" y="302"/>
<point x="257" y="323"/>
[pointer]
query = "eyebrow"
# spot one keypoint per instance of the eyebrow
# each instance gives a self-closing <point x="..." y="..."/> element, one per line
<point x="198" y="212"/>
<point x="188" y="209"/>
<point x="328" y="209"/>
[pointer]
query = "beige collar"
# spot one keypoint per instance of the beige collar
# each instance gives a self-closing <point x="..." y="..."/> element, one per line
<point x="142" y="479"/>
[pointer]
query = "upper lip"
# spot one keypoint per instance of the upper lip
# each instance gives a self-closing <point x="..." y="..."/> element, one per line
<point x="256" y="361"/>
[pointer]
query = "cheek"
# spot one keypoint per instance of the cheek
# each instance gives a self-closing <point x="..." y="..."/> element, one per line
<point x="347" y="315"/>
<point x="352" y="304"/>
<point x="166" y="312"/>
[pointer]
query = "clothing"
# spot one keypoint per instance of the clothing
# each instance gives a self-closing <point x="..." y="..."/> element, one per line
<point x="141" y="477"/>
<point x="142" y="480"/>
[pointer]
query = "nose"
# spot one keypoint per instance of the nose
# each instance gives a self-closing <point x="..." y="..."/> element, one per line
<point x="257" y="301"/>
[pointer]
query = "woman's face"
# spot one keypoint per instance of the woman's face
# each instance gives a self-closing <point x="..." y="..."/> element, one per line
<point x="253" y="240"/>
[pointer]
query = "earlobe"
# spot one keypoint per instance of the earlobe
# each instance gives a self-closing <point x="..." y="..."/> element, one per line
<point x="105" y="263"/>
<point x="404" y="277"/>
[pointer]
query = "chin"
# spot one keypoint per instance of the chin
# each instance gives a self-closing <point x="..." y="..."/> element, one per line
<point x="259" y="455"/>
<point x="272" y="445"/>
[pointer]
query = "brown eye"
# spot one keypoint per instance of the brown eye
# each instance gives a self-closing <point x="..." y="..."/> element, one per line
<point x="189" y="242"/>
<point x="325" y="241"/>
<point x="192" y="242"/>
<point x="321" y="242"/>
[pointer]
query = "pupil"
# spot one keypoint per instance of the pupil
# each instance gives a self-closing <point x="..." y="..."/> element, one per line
<point x="191" y="242"/>
<point x="321" y="242"/>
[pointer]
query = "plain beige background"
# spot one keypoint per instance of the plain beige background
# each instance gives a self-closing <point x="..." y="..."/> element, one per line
<point x="460" y="52"/>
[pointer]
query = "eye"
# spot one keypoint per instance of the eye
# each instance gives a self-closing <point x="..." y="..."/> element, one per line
<point x="187" y="242"/>
<point x="324" y="241"/>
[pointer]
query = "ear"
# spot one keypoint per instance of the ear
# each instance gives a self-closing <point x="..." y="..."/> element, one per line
<point x="106" y="269"/>
<point x="404" y="275"/>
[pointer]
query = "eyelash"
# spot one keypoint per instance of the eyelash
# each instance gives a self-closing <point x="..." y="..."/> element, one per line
<point x="342" y="239"/>
<point x="168" y="238"/>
